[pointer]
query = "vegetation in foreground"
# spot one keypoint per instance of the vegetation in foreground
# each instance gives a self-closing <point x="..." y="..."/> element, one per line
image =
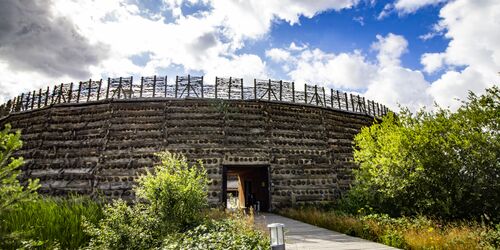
<point x="443" y="165"/>
<point x="170" y="212"/>
<point x="440" y="164"/>
<point x="418" y="232"/>
<point x="48" y="222"/>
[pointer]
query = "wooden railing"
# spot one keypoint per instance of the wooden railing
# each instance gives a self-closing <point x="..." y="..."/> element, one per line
<point x="191" y="87"/>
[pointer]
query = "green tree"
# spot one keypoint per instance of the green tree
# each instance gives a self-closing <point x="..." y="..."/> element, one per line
<point x="438" y="163"/>
<point x="11" y="191"/>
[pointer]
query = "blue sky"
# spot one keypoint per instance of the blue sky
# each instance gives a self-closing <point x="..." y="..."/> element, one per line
<point x="404" y="52"/>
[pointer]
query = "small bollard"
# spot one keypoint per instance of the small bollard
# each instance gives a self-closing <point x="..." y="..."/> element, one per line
<point x="277" y="233"/>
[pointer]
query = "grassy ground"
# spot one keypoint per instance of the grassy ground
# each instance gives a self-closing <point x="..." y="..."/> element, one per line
<point x="407" y="233"/>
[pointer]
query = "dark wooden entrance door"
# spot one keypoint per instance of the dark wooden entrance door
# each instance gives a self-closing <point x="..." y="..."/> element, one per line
<point x="250" y="184"/>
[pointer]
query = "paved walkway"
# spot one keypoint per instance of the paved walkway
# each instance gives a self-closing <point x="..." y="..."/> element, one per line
<point x="300" y="235"/>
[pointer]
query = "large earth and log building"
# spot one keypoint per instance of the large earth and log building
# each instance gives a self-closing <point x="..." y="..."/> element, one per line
<point x="276" y="145"/>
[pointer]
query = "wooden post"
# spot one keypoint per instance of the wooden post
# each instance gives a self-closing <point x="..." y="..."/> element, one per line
<point x="39" y="97"/>
<point x="99" y="89"/>
<point x="229" y="91"/>
<point x="201" y="86"/>
<point x="60" y="93"/>
<point x="14" y="104"/>
<point x="28" y="100"/>
<point x="331" y="98"/>
<point x="216" y="83"/>
<point x="165" y="81"/>
<point x="269" y="90"/>
<point x="79" y="90"/>
<point x="305" y="93"/>
<point x="53" y="94"/>
<point x="33" y="99"/>
<point x="369" y="108"/>
<point x="316" y="94"/>
<point x="107" y="88"/>
<point x="338" y="98"/>
<point x="154" y="86"/>
<point x="23" y="107"/>
<point x="378" y="109"/>
<point x="89" y="90"/>
<point x="293" y="92"/>
<point x="324" y="97"/>
<point x="176" y="85"/>
<point x="46" y="96"/>
<point x="364" y="105"/>
<point x="281" y="89"/>
<point x="255" y="88"/>
<point x="131" y="87"/>
<point x="70" y="94"/>
<point x="142" y="86"/>
<point x="189" y="84"/>
<point x="241" y="82"/>
<point x="352" y="102"/>
<point x="120" y="87"/>
<point x="346" y="102"/>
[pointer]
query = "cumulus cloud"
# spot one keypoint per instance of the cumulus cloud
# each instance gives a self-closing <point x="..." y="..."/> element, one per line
<point x="473" y="47"/>
<point x="82" y="39"/>
<point x="385" y="80"/>
<point x="33" y="39"/>
<point x="390" y="48"/>
<point x="410" y="6"/>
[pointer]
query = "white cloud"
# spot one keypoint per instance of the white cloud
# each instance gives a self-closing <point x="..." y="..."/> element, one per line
<point x="474" y="46"/>
<point x="432" y="61"/>
<point x="278" y="55"/>
<point x="390" y="49"/>
<point x="410" y="6"/>
<point x="207" y="41"/>
<point x="384" y="81"/>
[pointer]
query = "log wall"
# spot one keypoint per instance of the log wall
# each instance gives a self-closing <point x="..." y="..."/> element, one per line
<point x="99" y="147"/>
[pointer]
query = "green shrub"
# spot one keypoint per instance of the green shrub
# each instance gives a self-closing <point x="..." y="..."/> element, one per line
<point x="441" y="164"/>
<point x="11" y="191"/>
<point x="49" y="223"/>
<point x="124" y="227"/>
<point x="169" y="200"/>
<point x="218" y="234"/>
<point x="176" y="192"/>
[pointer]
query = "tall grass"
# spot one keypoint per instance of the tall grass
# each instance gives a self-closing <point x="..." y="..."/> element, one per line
<point x="408" y="233"/>
<point x="49" y="222"/>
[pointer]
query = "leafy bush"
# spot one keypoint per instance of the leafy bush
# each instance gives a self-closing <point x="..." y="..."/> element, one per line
<point x="175" y="192"/>
<point x="440" y="164"/>
<point x="219" y="234"/>
<point x="11" y="191"/>
<point x="49" y="223"/>
<point x="169" y="200"/>
<point x="124" y="227"/>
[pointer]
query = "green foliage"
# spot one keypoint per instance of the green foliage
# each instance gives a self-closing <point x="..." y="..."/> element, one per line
<point x="11" y="191"/>
<point x="443" y="164"/>
<point x="48" y="223"/>
<point x="124" y="227"/>
<point x="169" y="200"/>
<point x="176" y="192"/>
<point x="418" y="232"/>
<point x="218" y="234"/>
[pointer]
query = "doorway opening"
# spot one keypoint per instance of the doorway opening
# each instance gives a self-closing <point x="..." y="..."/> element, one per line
<point x="245" y="187"/>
